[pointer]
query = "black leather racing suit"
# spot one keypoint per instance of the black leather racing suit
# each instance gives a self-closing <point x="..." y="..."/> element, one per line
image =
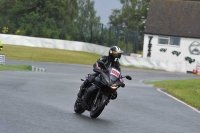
<point x="91" y="77"/>
<point x="107" y="61"/>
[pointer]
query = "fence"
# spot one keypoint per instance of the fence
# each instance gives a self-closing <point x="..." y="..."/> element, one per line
<point x="105" y="35"/>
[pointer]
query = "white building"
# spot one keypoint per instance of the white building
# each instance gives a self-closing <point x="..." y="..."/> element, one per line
<point x="174" y="29"/>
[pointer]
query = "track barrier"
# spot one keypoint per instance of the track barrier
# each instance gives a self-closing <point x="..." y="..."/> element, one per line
<point x="2" y="59"/>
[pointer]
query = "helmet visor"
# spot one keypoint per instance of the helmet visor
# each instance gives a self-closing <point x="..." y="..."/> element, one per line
<point x="116" y="54"/>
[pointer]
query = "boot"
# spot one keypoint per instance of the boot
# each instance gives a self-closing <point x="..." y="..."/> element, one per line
<point x="82" y="89"/>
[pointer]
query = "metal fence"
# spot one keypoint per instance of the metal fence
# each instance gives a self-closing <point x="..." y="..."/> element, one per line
<point x="106" y="35"/>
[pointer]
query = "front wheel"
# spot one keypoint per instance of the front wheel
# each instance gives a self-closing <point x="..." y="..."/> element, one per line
<point x="98" y="107"/>
<point x="77" y="107"/>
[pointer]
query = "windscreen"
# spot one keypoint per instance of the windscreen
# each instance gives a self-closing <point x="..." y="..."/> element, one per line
<point x="114" y="74"/>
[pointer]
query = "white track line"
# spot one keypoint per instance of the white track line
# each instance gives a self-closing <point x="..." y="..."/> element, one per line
<point x="141" y="81"/>
<point x="179" y="100"/>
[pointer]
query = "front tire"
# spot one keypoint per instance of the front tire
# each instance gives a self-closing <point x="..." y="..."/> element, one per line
<point x="77" y="107"/>
<point x="98" y="107"/>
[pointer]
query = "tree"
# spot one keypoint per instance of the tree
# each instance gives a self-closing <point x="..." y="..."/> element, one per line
<point x="131" y="16"/>
<point x="64" y="19"/>
<point x="87" y="20"/>
<point x="44" y="18"/>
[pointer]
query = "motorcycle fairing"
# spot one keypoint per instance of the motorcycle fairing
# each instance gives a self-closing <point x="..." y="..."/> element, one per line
<point x="115" y="72"/>
<point x="88" y="95"/>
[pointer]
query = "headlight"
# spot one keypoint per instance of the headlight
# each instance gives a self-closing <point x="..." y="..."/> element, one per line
<point x="114" y="86"/>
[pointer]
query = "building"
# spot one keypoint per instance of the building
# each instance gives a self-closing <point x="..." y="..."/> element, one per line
<point x="173" y="29"/>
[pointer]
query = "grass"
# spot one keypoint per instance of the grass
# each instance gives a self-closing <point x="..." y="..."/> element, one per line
<point x="15" y="67"/>
<point x="14" y="52"/>
<point x="185" y="90"/>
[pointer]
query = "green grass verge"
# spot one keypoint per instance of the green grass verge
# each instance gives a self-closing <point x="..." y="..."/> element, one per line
<point x="14" y="52"/>
<point x="185" y="90"/>
<point x="15" y="67"/>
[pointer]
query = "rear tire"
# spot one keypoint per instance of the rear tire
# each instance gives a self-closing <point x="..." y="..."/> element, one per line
<point x="98" y="107"/>
<point x="77" y="107"/>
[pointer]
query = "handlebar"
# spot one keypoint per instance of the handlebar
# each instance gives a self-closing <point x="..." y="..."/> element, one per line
<point x="102" y="63"/>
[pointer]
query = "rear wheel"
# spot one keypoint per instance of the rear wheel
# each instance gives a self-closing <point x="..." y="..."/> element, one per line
<point x="98" y="107"/>
<point x="77" y="106"/>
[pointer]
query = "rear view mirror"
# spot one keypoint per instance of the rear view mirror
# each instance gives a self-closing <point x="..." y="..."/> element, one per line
<point x="128" y="77"/>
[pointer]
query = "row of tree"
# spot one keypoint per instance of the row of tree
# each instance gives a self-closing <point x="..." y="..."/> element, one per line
<point x="48" y="18"/>
<point x="75" y="20"/>
<point x="131" y="16"/>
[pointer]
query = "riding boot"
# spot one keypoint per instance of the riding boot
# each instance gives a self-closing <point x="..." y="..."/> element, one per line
<point x="82" y="88"/>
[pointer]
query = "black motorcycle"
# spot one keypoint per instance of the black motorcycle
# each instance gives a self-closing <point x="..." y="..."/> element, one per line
<point x="99" y="93"/>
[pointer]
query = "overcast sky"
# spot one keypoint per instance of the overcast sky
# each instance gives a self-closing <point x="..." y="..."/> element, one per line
<point x="104" y="8"/>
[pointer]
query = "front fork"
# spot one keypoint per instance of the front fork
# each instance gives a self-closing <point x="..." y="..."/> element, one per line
<point x="98" y="94"/>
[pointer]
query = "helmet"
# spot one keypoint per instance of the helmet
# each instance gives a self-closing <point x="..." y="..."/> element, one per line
<point x="115" y="52"/>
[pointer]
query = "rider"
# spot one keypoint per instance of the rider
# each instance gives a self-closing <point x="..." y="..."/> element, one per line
<point x="111" y="59"/>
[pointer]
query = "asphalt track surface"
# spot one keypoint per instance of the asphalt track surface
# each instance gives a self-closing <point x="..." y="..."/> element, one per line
<point x="32" y="102"/>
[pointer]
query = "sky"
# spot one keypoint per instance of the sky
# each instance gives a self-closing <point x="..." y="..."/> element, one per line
<point x="104" y="8"/>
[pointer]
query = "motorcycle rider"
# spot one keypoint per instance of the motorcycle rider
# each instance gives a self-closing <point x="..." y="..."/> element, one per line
<point x="112" y="59"/>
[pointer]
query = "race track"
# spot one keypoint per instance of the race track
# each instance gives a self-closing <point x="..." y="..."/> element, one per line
<point x="32" y="102"/>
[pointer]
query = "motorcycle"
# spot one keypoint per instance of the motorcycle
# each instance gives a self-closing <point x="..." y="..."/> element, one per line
<point x="98" y="94"/>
